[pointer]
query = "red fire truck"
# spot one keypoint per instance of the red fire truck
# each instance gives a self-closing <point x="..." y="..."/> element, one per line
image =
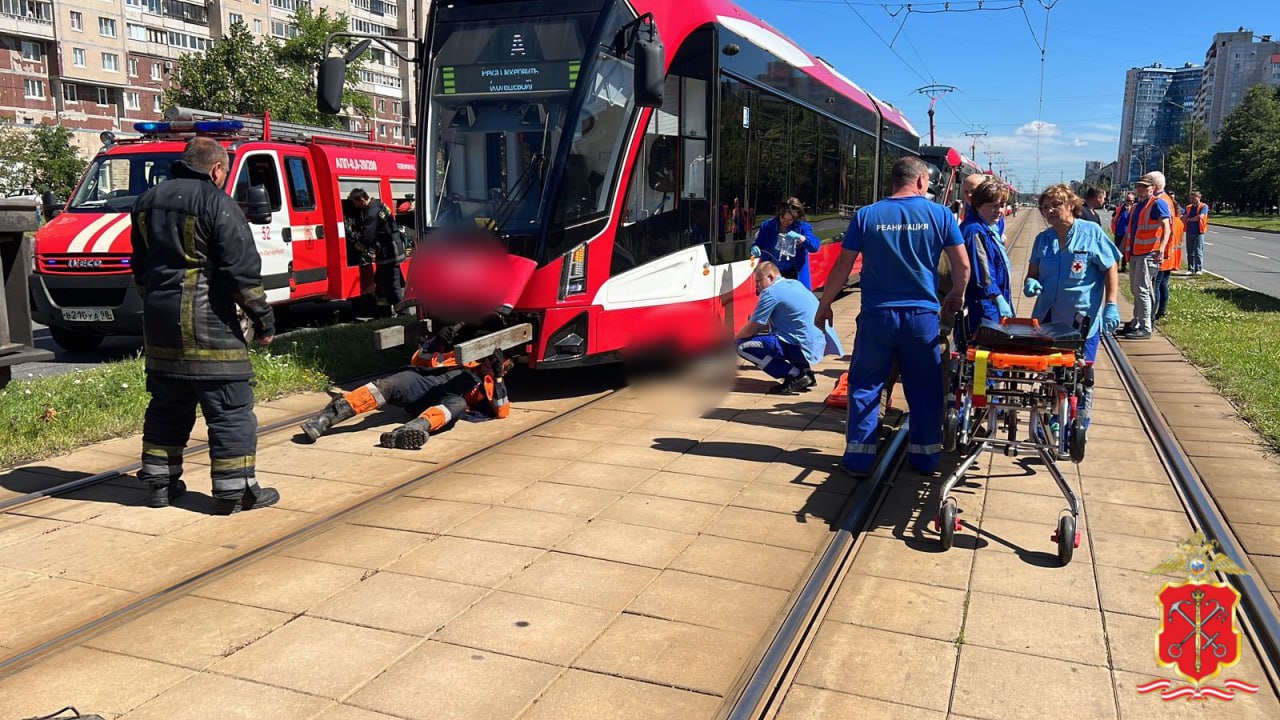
<point x="82" y="287"/>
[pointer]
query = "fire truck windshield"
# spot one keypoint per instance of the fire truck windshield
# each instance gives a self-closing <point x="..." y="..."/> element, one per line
<point x="114" y="182"/>
<point x="500" y="93"/>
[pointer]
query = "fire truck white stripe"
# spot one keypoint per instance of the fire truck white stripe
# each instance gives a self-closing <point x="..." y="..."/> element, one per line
<point x="110" y="235"/>
<point x="84" y="236"/>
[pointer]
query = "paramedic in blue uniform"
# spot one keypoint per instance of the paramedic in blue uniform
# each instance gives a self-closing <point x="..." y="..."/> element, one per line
<point x="797" y="237"/>
<point x="902" y="238"/>
<point x="1072" y="272"/>
<point x="780" y="338"/>
<point x="988" y="295"/>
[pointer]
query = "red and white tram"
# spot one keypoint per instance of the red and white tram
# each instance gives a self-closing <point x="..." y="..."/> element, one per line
<point x="533" y="127"/>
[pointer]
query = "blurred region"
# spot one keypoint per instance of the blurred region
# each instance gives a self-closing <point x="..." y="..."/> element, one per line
<point x="681" y="385"/>
<point x="464" y="276"/>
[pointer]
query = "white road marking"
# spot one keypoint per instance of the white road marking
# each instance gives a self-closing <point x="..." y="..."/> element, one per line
<point x="1233" y="282"/>
<point x="1264" y="257"/>
<point x="1248" y="237"/>
<point x="1206" y="242"/>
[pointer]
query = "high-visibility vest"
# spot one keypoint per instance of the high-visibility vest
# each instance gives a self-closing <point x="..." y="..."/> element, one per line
<point x="1146" y="236"/>
<point x="1194" y="211"/>
<point x="1173" y="250"/>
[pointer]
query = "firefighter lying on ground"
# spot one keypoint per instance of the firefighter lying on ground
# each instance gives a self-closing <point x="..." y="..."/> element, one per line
<point x="434" y="389"/>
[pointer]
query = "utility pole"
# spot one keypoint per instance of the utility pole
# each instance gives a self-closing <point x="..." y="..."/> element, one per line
<point x="973" y="146"/>
<point x="933" y="92"/>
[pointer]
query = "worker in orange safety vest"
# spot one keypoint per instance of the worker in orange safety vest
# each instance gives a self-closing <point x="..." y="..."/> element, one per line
<point x="1196" y="217"/>
<point x="1150" y="232"/>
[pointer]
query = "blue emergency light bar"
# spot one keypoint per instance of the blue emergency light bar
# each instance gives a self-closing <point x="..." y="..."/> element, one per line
<point x="197" y="126"/>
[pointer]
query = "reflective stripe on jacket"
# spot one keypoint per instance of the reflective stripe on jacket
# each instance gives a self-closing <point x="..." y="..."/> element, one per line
<point x="1146" y="236"/>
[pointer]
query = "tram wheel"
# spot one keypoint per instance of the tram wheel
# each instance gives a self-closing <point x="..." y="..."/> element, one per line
<point x="1077" y="441"/>
<point x="1066" y="538"/>
<point x="947" y="523"/>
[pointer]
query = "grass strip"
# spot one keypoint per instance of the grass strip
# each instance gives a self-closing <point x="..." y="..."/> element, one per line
<point x="1230" y="334"/>
<point x="1258" y="222"/>
<point x="44" y="417"/>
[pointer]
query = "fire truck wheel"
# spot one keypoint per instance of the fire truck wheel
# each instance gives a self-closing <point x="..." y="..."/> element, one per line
<point x="75" y="340"/>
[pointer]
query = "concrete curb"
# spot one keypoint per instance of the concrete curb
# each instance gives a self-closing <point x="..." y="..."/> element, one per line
<point x="1244" y="227"/>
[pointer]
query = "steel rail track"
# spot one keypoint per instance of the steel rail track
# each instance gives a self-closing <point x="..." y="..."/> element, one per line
<point x="768" y="682"/>
<point x="1256" y="601"/>
<point x="25" y="657"/>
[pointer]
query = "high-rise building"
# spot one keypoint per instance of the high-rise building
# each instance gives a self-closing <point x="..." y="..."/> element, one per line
<point x="96" y="65"/>
<point x="1157" y="103"/>
<point x="1234" y="63"/>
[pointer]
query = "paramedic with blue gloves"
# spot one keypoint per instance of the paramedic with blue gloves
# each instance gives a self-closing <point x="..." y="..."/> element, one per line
<point x="1072" y="272"/>
<point x="792" y="344"/>
<point x="902" y="238"/>
<point x="988" y="295"/>
<point x="791" y="251"/>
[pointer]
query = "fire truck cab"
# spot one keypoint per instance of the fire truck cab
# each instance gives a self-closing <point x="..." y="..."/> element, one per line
<point x="82" y="286"/>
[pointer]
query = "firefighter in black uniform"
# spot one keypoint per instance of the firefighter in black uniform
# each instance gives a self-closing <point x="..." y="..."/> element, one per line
<point x="194" y="261"/>
<point x="373" y="232"/>
<point x="434" y="389"/>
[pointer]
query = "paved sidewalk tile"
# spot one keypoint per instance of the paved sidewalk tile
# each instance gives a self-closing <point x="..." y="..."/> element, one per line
<point x="888" y="666"/>
<point x="439" y="681"/>
<point x="717" y="491"/>
<point x="1034" y="627"/>
<point x="771" y="528"/>
<point x="35" y="611"/>
<point x="669" y="653"/>
<point x="527" y="627"/>
<point x="711" y="602"/>
<point x="921" y="561"/>
<point x="317" y="657"/>
<point x="1035" y="577"/>
<point x="579" y="695"/>
<point x="631" y="544"/>
<point x="357" y="545"/>
<point x="1135" y="706"/>
<point x="898" y="606"/>
<point x="400" y="603"/>
<point x="191" y="632"/>
<point x="281" y="583"/>
<point x="997" y="684"/>
<point x="208" y="696"/>
<point x="473" y="562"/>
<point x="661" y="512"/>
<point x="806" y="703"/>
<point x="582" y="580"/>
<point x="746" y="562"/>
<point x="106" y="682"/>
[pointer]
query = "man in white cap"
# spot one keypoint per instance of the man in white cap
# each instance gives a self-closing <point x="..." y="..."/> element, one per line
<point x="1150" y="231"/>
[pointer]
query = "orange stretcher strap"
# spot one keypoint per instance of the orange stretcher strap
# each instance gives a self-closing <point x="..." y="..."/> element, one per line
<point x="1022" y="361"/>
<point x="839" y="397"/>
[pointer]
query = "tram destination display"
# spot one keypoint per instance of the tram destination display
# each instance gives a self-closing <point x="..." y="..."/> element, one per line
<point x="503" y="78"/>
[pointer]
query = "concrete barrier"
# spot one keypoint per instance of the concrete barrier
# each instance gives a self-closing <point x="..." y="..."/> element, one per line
<point x="18" y="216"/>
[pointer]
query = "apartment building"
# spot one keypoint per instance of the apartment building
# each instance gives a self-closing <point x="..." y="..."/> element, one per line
<point x="1234" y="62"/>
<point x="96" y="65"/>
<point x="1158" y="100"/>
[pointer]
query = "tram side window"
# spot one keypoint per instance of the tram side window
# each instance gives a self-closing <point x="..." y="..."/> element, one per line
<point x="666" y="206"/>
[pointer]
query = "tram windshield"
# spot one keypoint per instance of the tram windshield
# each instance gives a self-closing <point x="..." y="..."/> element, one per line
<point x="501" y="96"/>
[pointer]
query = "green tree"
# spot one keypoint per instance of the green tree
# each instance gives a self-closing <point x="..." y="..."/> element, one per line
<point x="240" y="74"/>
<point x="1178" y="160"/>
<point x="55" y="163"/>
<point x="1243" y="167"/>
<point x="15" y="151"/>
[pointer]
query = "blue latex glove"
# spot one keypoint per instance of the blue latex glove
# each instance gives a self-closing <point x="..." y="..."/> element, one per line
<point x="1003" y="306"/>
<point x="795" y="236"/>
<point x="1110" y="318"/>
<point x="755" y="251"/>
<point x="1032" y="287"/>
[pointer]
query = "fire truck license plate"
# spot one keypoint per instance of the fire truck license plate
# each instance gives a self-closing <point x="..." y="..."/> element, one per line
<point x="88" y="314"/>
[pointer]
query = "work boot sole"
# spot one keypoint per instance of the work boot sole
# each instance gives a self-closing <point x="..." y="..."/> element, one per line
<point x="312" y="432"/>
<point x="266" y="497"/>
<point x="403" y="439"/>
<point x="162" y="497"/>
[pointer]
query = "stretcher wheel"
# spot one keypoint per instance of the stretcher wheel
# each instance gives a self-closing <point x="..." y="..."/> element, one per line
<point x="950" y="429"/>
<point x="1075" y="444"/>
<point x="947" y="523"/>
<point x="1066" y="537"/>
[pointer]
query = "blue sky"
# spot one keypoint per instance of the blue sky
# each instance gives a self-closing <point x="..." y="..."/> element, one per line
<point x="993" y="60"/>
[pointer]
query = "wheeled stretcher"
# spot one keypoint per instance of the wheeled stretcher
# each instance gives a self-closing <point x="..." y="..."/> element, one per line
<point x="1017" y="387"/>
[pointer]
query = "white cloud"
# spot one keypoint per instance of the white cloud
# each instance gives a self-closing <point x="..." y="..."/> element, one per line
<point x="1079" y="142"/>
<point x="1039" y="127"/>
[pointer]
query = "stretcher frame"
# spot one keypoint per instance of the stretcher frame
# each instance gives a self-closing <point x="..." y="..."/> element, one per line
<point x="992" y="392"/>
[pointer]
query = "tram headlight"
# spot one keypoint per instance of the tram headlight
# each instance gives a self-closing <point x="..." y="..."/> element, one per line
<point x="574" y="277"/>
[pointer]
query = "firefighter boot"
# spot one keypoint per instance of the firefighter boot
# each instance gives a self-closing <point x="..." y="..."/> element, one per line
<point x="162" y="495"/>
<point x="410" y="436"/>
<point x="254" y="497"/>
<point x="335" y="412"/>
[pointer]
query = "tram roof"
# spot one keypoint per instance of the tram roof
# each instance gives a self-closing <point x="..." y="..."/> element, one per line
<point x="766" y="37"/>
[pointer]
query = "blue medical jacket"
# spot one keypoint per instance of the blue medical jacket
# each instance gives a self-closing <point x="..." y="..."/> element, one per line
<point x="989" y="273"/>
<point x="1074" y="277"/>
<point x="798" y="265"/>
